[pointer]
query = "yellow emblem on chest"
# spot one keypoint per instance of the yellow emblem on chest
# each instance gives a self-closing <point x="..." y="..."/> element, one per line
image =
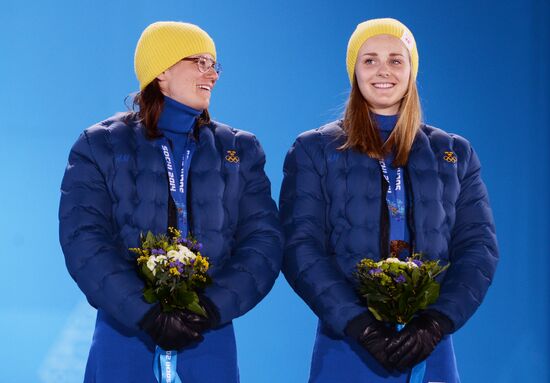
<point x="450" y="157"/>
<point x="232" y="157"/>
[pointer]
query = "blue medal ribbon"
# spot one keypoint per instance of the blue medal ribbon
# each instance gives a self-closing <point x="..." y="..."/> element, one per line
<point x="395" y="198"/>
<point x="167" y="361"/>
<point x="179" y="191"/>
<point x="418" y="371"/>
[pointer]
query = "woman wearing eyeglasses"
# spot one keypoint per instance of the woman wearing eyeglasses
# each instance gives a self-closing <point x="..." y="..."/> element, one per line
<point x="379" y="183"/>
<point x="116" y="187"/>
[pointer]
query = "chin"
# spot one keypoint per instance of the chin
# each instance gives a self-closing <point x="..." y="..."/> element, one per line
<point x="202" y="103"/>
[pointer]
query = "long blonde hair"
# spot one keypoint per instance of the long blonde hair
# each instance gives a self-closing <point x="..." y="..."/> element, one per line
<point x="363" y="135"/>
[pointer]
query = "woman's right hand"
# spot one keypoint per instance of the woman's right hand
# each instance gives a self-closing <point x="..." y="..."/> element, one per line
<point x="374" y="336"/>
<point x="173" y="330"/>
<point x="375" y="339"/>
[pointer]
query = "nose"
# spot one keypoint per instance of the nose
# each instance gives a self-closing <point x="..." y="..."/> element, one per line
<point x="383" y="71"/>
<point x="211" y="74"/>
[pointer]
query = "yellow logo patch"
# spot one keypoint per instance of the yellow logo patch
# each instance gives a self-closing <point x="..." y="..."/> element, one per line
<point x="232" y="157"/>
<point x="450" y="157"/>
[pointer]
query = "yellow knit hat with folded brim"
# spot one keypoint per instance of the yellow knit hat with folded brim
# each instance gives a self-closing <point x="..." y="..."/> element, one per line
<point x="164" y="43"/>
<point x="375" y="27"/>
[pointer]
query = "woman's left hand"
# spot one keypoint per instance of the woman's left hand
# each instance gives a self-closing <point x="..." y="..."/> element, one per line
<point x="416" y="341"/>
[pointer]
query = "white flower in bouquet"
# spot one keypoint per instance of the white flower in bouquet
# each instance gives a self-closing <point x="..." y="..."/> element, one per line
<point x="153" y="261"/>
<point x="182" y="254"/>
<point x="392" y="260"/>
<point x="173" y="254"/>
<point x="186" y="253"/>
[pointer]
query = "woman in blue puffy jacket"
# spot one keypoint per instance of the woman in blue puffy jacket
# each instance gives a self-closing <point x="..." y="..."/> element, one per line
<point x="116" y="186"/>
<point x="380" y="182"/>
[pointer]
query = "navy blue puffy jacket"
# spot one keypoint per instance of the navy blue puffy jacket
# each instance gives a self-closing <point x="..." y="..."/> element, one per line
<point x="115" y="187"/>
<point x="330" y="206"/>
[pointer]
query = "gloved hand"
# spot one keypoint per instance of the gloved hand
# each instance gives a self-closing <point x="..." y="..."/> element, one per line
<point x="416" y="341"/>
<point x="196" y="322"/>
<point x="373" y="335"/>
<point x="172" y="330"/>
<point x="212" y="313"/>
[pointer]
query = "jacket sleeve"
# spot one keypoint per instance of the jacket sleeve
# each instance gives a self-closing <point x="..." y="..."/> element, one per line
<point x="307" y="264"/>
<point x="96" y="260"/>
<point x="255" y="262"/>
<point x="473" y="251"/>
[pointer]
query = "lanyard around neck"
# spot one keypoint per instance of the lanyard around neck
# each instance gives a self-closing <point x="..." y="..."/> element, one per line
<point x="178" y="190"/>
<point x="395" y="198"/>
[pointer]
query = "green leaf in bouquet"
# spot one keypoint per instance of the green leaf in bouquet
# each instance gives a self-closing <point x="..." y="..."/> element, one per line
<point x="163" y="277"/>
<point x="415" y="276"/>
<point x="147" y="274"/>
<point x="402" y="303"/>
<point x="201" y="285"/>
<point x="197" y="308"/>
<point x="432" y="293"/>
<point x="407" y="286"/>
<point x="439" y="269"/>
<point x="170" y="247"/>
<point x="183" y="296"/>
<point x="150" y="238"/>
<point x="413" y="300"/>
<point x="375" y="313"/>
<point x="376" y="297"/>
<point x="149" y="295"/>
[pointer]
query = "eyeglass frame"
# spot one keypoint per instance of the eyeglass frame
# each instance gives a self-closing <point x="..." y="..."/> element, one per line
<point x="215" y="65"/>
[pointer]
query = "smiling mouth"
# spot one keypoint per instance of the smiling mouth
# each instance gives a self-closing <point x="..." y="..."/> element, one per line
<point x="383" y="85"/>
<point x="205" y="87"/>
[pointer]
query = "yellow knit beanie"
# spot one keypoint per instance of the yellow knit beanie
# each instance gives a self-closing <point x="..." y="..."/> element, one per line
<point x="375" y="27"/>
<point x="164" y="43"/>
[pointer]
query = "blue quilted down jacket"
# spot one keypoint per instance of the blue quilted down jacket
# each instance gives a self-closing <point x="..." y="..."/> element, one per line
<point x="115" y="187"/>
<point x="330" y="206"/>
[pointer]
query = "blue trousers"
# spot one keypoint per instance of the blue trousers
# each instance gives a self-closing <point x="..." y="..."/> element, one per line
<point x="120" y="355"/>
<point x="344" y="360"/>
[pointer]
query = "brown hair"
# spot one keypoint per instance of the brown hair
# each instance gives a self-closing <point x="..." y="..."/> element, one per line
<point x="147" y="107"/>
<point x="363" y="135"/>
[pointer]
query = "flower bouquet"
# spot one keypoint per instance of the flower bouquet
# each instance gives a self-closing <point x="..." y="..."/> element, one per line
<point x="395" y="290"/>
<point x="173" y="270"/>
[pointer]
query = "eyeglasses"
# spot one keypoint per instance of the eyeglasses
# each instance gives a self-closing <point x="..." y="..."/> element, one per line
<point x="204" y="64"/>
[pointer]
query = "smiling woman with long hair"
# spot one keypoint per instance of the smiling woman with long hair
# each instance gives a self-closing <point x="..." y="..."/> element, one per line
<point x="381" y="183"/>
<point x="119" y="183"/>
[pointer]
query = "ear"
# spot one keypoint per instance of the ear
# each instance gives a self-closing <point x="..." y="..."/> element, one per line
<point x="162" y="76"/>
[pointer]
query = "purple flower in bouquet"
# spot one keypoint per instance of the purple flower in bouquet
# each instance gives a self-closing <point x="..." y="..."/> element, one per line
<point x="400" y="279"/>
<point x="375" y="271"/>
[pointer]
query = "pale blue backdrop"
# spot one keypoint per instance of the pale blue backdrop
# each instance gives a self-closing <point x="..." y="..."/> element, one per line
<point x="483" y="74"/>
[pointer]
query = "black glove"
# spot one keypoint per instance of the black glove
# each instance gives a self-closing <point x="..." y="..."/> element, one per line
<point x="373" y="335"/>
<point x="212" y="312"/>
<point x="172" y="330"/>
<point x="416" y="341"/>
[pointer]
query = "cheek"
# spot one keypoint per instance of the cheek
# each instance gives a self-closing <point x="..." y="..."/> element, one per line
<point x="363" y="80"/>
<point x="404" y="75"/>
<point x="185" y="86"/>
<point x="362" y="74"/>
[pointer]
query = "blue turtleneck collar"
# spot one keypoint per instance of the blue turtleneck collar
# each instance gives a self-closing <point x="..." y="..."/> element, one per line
<point x="385" y="123"/>
<point x="177" y="117"/>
